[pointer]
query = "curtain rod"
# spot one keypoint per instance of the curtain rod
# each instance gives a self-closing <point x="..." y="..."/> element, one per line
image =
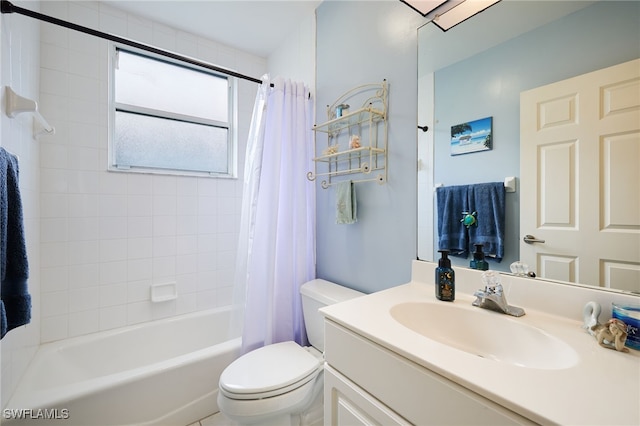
<point x="8" y="7"/>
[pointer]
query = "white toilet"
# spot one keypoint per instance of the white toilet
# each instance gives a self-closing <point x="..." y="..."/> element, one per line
<point x="281" y="384"/>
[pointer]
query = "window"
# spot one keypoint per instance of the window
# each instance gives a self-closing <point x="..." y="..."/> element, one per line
<point x="170" y="117"/>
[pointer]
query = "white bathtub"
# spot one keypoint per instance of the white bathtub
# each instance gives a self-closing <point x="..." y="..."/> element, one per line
<point x="163" y="372"/>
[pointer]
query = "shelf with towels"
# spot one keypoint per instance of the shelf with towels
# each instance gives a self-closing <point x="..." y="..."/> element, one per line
<point x="16" y="104"/>
<point x="356" y="142"/>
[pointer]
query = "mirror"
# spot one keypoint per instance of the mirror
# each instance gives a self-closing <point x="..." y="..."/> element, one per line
<point x="479" y="68"/>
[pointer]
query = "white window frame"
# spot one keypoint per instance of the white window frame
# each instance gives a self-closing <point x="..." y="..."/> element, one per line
<point x="231" y="125"/>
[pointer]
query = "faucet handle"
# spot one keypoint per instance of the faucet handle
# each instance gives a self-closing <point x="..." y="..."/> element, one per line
<point x="497" y="289"/>
<point x="491" y="282"/>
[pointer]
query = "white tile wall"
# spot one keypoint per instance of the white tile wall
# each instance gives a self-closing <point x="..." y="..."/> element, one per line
<point x="107" y="236"/>
<point x="97" y="240"/>
<point x="19" y="46"/>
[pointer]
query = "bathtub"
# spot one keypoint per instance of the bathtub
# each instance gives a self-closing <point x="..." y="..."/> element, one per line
<point x="164" y="372"/>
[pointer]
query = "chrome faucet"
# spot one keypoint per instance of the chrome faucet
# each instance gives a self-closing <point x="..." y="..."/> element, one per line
<point x="492" y="297"/>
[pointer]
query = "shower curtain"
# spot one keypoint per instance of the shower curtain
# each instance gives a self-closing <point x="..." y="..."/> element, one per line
<point x="276" y="247"/>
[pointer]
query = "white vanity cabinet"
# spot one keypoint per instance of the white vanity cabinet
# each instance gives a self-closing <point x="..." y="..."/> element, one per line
<point x="367" y="384"/>
<point x="387" y="365"/>
<point x="347" y="404"/>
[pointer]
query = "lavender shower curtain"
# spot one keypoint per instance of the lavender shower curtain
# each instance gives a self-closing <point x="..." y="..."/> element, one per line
<point x="276" y="248"/>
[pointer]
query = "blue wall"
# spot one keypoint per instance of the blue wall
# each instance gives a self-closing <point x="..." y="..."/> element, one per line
<point x="489" y="84"/>
<point x="360" y="43"/>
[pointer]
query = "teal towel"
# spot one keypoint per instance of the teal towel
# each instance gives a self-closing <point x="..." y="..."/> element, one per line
<point x="346" y="207"/>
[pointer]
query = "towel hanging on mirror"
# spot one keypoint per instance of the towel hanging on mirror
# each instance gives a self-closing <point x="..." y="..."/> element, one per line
<point x="488" y="200"/>
<point x="452" y="233"/>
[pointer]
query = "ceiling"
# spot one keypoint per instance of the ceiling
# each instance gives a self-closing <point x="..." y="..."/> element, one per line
<point x="255" y="26"/>
<point x="507" y="19"/>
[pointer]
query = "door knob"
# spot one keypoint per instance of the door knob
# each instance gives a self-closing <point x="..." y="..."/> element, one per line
<point x="530" y="239"/>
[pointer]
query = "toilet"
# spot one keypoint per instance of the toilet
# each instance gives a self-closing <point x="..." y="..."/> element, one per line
<point x="281" y="384"/>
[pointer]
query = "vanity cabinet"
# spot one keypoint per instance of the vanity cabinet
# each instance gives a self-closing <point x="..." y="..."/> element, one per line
<point x="366" y="383"/>
<point x="348" y="404"/>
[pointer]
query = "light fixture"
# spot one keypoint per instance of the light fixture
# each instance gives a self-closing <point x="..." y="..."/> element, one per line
<point x="447" y="14"/>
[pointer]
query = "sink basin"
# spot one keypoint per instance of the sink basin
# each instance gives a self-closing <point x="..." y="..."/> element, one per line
<point x="486" y="334"/>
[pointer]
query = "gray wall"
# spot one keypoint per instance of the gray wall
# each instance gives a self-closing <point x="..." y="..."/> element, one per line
<point x="489" y="84"/>
<point x="360" y="43"/>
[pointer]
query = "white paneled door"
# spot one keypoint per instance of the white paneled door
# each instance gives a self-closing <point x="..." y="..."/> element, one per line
<point x="580" y="178"/>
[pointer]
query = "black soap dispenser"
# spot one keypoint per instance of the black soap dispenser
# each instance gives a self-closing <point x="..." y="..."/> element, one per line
<point x="478" y="261"/>
<point x="445" y="278"/>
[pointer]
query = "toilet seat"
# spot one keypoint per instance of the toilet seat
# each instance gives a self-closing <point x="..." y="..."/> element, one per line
<point x="269" y="371"/>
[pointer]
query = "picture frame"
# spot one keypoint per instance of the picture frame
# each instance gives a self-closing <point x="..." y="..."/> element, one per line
<point x="472" y="136"/>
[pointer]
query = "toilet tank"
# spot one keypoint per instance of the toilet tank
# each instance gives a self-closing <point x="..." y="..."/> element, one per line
<point x="317" y="294"/>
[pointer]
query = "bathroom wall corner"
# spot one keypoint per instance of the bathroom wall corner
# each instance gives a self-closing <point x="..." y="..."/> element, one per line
<point x="20" y="56"/>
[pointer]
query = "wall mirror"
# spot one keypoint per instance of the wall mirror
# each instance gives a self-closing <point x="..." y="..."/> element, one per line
<point x="478" y="69"/>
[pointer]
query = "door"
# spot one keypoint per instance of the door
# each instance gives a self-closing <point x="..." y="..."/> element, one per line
<point x="580" y="174"/>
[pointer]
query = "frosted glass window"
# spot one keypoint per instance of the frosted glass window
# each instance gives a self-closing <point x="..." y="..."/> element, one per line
<point x="170" y="117"/>
<point x="153" y="142"/>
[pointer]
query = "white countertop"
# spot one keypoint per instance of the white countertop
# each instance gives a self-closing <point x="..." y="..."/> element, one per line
<point x="602" y="388"/>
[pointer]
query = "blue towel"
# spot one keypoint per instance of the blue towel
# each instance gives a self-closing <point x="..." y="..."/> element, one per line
<point x="15" y="301"/>
<point x="452" y="234"/>
<point x="487" y="199"/>
<point x="346" y="206"/>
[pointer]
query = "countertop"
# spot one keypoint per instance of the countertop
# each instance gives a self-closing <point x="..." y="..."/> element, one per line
<point x="601" y="388"/>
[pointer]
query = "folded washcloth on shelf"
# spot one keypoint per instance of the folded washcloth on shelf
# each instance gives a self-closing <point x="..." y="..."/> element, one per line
<point x="346" y="206"/>
<point x="488" y="201"/>
<point x="452" y="234"/>
<point x="15" y="302"/>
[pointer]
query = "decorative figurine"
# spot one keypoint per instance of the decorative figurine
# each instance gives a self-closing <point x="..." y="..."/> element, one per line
<point x="354" y="142"/>
<point x="612" y="334"/>
<point x="590" y="315"/>
<point x="469" y="219"/>
<point x="333" y="149"/>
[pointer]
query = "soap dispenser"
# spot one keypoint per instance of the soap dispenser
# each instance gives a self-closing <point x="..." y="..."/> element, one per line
<point x="478" y="261"/>
<point x="445" y="278"/>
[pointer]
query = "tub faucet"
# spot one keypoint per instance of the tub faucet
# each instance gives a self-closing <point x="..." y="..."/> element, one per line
<point x="492" y="297"/>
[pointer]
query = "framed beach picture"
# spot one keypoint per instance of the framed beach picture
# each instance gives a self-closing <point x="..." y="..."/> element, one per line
<point x="472" y="136"/>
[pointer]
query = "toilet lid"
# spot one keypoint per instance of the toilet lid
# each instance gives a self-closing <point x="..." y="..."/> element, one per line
<point x="269" y="368"/>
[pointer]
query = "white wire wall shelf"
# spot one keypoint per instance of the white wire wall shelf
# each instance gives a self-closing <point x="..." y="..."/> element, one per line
<point x="356" y="141"/>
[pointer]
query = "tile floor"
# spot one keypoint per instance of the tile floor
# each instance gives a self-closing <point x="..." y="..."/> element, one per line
<point x="215" y="420"/>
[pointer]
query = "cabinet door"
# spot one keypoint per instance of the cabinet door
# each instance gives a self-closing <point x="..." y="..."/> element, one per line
<point x="348" y="405"/>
